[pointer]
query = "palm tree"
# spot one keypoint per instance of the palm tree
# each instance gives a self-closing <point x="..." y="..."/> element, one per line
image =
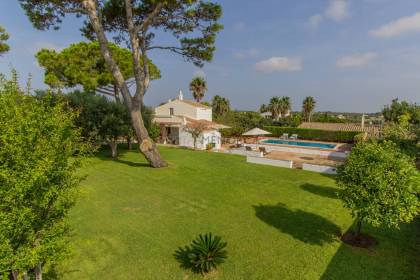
<point x="308" y="108"/>
<point x="264" y="108"/>
<point x="275" y="107"/>
<point x="198" y="87"/>
<point x="220" y="105"/>
<point x="285" y="106"/>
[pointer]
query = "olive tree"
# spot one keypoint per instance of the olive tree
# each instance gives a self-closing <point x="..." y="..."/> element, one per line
<point x="381" y="185"/>
<point x="40" y="151"/>
<point x="192" y="23"/>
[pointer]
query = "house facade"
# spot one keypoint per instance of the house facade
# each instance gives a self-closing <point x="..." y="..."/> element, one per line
<point x="187" y="123"/>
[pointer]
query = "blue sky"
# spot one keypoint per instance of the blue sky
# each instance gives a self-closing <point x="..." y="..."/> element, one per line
<point x="351" y="55"/>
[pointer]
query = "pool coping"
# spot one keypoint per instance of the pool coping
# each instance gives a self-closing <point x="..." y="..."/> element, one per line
<point x="335" y="149"/>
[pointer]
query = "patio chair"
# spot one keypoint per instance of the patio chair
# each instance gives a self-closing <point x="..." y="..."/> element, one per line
<point x="248" y="148"/>
<point x="284" y="136"/>
<point x="294" y="137"/>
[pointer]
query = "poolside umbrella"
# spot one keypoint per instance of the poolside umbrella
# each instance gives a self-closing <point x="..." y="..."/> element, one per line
<point x="256" y="132"/>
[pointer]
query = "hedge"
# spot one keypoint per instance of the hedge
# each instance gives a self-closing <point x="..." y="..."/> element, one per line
<point x="314" y="134"/>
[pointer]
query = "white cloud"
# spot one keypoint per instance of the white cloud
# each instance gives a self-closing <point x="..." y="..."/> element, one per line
<point x="356" y="60"/>
<point x="337" y="10"/>
<point x="409" y="24"/>
<point x="314" y="21"/>
<point x="239" y="26"/>
<point x="251" y="53"/>
<point x="199" y="73"/>
<point x="279" y="64"/>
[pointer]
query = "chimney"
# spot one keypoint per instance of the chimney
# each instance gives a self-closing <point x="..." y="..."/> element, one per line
<point x="363" y="122"/>
<point x="180" y="95"/>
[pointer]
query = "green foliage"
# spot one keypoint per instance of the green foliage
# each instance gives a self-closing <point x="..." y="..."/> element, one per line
<point x="393" y="112"/>
<point x="3" y="38"/>
<point x="40" y="151"/>
<point x="278" y="106"/>
<point x="314" y="134"/>
<point x="327" y="118"/>
<point x="240" y="122"/>
<point x="100" y="119"/>
<point x="220" y="106"/>
<point x="154" y="131"/>
<point x="198" y="87"/>
<point x="207" y="252"/>
<point x="403" y="126"/>
<point x="308" y="107"/>
<point x="83" y="64"/>
<point x="381" y="185"/>
<point x="194" y="24"/>
<point x="293" y="120"/>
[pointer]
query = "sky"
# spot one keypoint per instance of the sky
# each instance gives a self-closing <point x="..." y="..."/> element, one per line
<point x="350" y="55"/>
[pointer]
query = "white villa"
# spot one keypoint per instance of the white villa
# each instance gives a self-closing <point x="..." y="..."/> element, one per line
<point x="178" y="117"/>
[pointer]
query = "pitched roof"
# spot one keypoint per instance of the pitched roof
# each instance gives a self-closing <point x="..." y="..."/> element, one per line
<point x="371" y="129"/>
<point x="195" y="104"/>
<point x="180" y="120"/>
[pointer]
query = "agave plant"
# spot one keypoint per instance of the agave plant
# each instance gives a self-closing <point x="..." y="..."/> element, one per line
<point x="207" y="252"/>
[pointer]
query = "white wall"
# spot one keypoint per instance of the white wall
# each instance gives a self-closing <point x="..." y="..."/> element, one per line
<point x="180" y="109"/>
<point x="319" y="168"/>
<point x="213" y="136"/>
<point x="204" y="114"/>
<point x="272" y="162"/>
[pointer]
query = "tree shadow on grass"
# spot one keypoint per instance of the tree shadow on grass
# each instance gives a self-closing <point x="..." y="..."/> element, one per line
<point x="396" y="257"/>
<point x="321" y="190"/>
<point x="181" y="255"/>
<point x="104" y="154"/>
<point x="306" y="227"/>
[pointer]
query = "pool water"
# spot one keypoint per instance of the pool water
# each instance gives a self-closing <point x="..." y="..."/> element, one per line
<point x="300" y="143"/>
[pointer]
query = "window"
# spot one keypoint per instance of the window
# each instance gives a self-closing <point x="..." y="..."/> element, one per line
<point x="171" y="111"/>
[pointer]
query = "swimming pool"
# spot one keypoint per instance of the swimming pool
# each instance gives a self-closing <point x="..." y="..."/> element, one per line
<point x="300" y="143"/>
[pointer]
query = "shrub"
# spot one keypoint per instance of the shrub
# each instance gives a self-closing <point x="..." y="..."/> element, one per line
<point x="314" y="134"/>
<point x="207" y="252"/>
<point x="380" y="185"/>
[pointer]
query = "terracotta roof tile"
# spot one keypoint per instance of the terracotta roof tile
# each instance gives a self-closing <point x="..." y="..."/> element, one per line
<point x="371" y="129"/>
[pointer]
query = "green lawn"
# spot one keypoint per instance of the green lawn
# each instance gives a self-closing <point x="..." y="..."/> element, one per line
<point x="279" y="223"/>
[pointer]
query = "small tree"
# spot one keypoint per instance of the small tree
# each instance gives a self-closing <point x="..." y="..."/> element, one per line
<point x="198" y="87"/>
<point x="100" y="119"/>
<point x="380" y="185"/>
<point x="196" y="129"/>
<point x="308" y="107"/>
<point x="39" y="154"/>
<point x="3" y="38"/>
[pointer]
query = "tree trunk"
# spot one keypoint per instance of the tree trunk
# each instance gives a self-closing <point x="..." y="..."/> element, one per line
<point x="14" y="275"/>
<point x="38" y="272"/>
<point x="116" y="94"/>
<point x="146" y="146"/>
<point x="358" y="227"/>
<point x="129" y="143"/>
<point x="114" y="148"/>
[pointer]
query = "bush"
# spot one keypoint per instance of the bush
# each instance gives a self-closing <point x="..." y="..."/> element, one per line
<point x="380" y="185"/>
<point x="207" y="252"/>
<point x="314" y="134"/>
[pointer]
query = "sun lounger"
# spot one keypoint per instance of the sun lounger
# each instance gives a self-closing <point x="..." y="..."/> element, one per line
<point x="294" y="137"/>
<point x="284" y="136"/>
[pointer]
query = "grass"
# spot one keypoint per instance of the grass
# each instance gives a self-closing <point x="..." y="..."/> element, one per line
<point x="279" y="223"/>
